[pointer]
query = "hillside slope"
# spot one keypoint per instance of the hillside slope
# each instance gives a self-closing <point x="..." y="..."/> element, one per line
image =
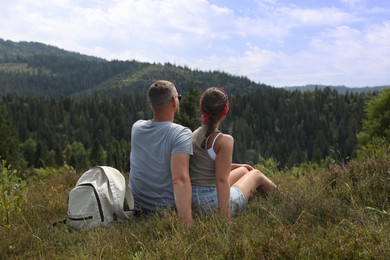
<point x="12" y="51"/>
<point x="35" y="69"/>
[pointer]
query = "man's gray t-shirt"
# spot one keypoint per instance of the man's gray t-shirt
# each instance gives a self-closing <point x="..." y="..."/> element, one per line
<point x="152" y="144"/>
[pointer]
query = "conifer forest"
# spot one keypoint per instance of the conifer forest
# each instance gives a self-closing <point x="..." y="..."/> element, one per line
<point x="61" y="108"/>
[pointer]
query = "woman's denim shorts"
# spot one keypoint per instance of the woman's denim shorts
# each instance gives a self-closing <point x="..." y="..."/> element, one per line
<point x="206" y="199"/>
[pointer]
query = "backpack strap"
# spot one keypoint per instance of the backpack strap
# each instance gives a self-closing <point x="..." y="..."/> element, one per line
<point x="121" y="193"/>
<point x="129" y="199"/>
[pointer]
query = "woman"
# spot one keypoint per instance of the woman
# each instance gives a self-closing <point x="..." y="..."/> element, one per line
<point x="216" y="182"/>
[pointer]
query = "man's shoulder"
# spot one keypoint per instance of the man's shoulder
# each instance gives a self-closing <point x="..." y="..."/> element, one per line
<point x="181" y="128"/>
<point x="140" y="122"/>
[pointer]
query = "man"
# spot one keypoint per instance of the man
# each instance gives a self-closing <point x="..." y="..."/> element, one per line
<point x="159" y="157"/>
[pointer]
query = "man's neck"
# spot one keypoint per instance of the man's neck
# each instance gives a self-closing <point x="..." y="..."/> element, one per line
<point x="163" y="118"/>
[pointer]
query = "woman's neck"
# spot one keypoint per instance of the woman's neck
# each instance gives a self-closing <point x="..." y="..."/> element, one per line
<point x="216" y="126"/>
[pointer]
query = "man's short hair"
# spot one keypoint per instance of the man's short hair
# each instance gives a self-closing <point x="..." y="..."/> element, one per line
<point x="160" y="92"/>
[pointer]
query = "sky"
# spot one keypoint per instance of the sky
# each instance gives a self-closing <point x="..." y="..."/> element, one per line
<point x="278" y="43"/>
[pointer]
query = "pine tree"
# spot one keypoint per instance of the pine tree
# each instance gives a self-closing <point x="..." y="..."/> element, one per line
<point x="9" y="142"/>
<point x="189" y="108"/>
<point x="97" y="155"/>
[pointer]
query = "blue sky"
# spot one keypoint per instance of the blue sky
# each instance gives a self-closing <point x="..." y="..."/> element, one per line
<point x="279" y="43"/>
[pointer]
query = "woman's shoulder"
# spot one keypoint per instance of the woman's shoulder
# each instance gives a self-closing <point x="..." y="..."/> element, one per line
<point x="224" y="140"/>
<point x="227" y="137"/>
<point x="224" y="145"/>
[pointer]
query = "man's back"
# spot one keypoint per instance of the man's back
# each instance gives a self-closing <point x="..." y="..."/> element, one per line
<point x="153" y="143"/>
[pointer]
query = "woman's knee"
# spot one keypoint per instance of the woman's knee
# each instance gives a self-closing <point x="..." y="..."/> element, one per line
<point x="259" y="176"/>
<point x="257" y="173"/>
<point x="243" y="169"/>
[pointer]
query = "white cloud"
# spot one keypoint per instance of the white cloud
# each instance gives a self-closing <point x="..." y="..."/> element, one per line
<point x="342" y="55"/>
<point x="316" y="17"/>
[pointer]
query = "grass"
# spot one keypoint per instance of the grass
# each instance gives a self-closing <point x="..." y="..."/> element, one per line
<point x="339" y="212"/>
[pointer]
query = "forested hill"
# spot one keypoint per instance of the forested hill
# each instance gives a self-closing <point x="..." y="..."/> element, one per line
<point x="34" y="70"/>
<point x="11" y="51"/>
<point x="42" y="124"/>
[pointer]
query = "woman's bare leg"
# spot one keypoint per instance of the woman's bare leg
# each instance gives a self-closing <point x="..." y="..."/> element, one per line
<point x="237" y="174"/>
<point x="253" y="180"/>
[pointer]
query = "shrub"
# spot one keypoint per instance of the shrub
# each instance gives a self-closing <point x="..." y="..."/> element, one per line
<point x="267" y="166"/>
<point x="13" y="190"/>
<point x="362" y="185"/>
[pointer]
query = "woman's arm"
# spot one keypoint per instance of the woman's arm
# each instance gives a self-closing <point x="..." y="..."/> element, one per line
<point x="224" y="150"/>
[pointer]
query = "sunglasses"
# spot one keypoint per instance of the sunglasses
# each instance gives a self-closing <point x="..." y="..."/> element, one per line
<point x="178" y="97"/>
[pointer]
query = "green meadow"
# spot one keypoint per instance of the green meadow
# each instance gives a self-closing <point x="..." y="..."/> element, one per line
<point x="331" y="211"/>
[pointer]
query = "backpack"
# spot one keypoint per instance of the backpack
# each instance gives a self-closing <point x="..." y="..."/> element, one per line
<point x="99" y="198"/>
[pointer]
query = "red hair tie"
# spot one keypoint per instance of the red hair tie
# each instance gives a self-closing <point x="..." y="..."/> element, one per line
<point x="205" y="117"/>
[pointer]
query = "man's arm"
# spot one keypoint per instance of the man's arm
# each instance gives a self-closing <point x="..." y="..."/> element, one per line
<point x="182" y="190"/>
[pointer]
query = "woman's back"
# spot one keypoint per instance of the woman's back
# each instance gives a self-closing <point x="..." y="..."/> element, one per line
<point x="202" y="165"/>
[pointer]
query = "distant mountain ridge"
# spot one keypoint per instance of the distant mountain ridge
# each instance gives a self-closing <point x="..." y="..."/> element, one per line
<point x="36" y="69"/>
<point x="339" y="89"/>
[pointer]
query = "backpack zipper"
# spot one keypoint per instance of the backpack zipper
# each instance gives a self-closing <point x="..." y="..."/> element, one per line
<point x="97" y="199"/>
